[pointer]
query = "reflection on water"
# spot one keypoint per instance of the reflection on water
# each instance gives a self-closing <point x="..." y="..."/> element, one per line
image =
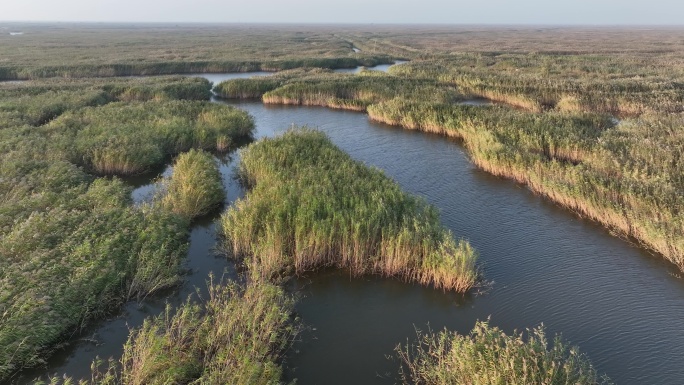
<point x="379" y="67"/>
<point x="478" y="102"/>
<point x="222" y="77"/>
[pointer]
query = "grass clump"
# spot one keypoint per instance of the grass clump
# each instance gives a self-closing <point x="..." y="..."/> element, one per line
<point x="257" y="86"/>
<point x="195" y="188"/>
<point x="70" y="257"/>
<point x="312" y="206"/>
<point x="237" y="336"/>
<point x="130" y="138"/>
<point x="73" y="248"/>
<point x="356" y="92"/>
<point x="489" y="356"/>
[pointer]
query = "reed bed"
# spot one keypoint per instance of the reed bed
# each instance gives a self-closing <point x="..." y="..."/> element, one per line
<point x="37" y="103"/>
<point x="237" y="336"/>
<point x="256" y="86"/>
<point x="73" y="246"/>
<point x="324" y="88"/>
<point x="311" y="206"/>
<point x="174" y="68"/>
<point x="546" y="82"/>
<point x="106" y="51"/>
<point x="582" y="158"/>
<point x="625" y="176"/>
<point x="73" y="255"/>
<point x="356" y="92"/>
<point x="489" y="356"/>
<point x="130" y="138"/>
<point x="195" y="188"/>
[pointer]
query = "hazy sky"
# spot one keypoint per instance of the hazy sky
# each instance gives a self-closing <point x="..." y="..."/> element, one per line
<point x="351" y="11"/>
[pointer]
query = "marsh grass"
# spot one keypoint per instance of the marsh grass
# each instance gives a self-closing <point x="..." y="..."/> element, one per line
<point x="625" y="176"/>
<point x="81" y="255"/>
<point x="236" y="336"/>
<point x="489" y="356"/>
<point x="108" y="51"/>
<point x="357" y="92"/>
<point x="73" y="246"/>
<point x="130" y="138"/>
<point x="311" y="206"/>
<point x="195" y="187"/>
<point x="257" y="86"/>
<point x="577" y="156"/>
<point x="37" y="103"/>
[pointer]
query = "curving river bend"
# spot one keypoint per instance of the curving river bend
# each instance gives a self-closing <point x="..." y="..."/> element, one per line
<point x="622" y="306"/>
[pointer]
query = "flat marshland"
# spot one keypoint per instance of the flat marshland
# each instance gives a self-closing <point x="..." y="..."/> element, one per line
<point x="591" y="119"/>
<point x="73" y="247"/>
<point x="82" y="50"/>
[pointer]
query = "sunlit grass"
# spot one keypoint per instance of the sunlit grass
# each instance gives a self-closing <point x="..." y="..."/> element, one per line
<point x="489" y="356"/>
<point x="311" y="206"/>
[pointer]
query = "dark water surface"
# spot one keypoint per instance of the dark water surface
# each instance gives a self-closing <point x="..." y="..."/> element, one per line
<point x="622" y="306"/>
<point x="379" y="67"/>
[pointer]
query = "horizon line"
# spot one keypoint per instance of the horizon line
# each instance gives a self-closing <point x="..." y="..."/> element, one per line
<point x="293" y="23"/>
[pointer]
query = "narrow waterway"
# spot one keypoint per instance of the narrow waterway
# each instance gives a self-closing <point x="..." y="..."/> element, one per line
<point x="622" y="306"/>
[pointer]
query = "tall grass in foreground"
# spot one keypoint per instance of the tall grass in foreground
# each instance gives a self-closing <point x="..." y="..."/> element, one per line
<point x="75" y="258"/>
<point x="237" y="336"/>
<point x="490" y="357"/>
<point x="312" y="206"/>
<point x="73" y="248"/>
<point x="195" y="186"/>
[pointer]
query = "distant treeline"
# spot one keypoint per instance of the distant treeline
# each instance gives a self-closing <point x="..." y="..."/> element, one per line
<point x="175" y="67"/>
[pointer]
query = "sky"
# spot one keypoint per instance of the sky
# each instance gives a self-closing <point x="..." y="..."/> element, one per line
<point x="582" y="12"/>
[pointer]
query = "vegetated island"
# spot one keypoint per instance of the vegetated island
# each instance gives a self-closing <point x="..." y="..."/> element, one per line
<point x="73" y="246"/>
<point x="240" y="333"/>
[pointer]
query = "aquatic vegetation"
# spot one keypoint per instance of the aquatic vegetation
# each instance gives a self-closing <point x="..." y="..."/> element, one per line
<point x="489" y="356"/>
<point x="311" y="206"/>
<point x="356" y="92"/>
<point x="625" y="176"/>
<point x="236" y="336"/>
<point x="575" y="156"/>
<point x="546" y="85"/>
<point x="255" y="328"/>
<point x="73" y="246"/>
<point x="38" y="103"/>
<point x="74" y="255"/>
<point x="195" y="188"/>
<point x="257" y="86"/>
<point x="84" y="51"/>
<point x="247" y="88"/>
<point x="130" y="138"/>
